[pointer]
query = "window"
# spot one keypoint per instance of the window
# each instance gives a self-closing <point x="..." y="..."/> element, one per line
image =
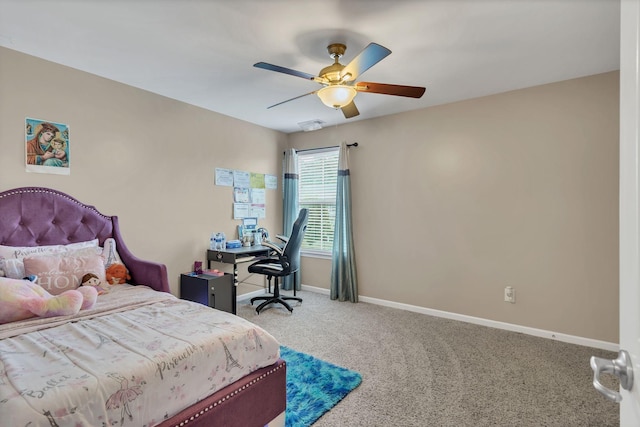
<point x="318" y="180"/>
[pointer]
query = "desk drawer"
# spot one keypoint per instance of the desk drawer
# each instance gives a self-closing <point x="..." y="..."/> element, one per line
<point x="225" y="257"/>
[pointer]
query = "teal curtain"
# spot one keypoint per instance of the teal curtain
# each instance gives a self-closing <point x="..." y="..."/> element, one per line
<point x="290" y="207"/>
<point x="344" y="281"/>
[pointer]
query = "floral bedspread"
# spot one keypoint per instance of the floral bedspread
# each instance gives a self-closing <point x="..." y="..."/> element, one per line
<point x="134" y="365"/>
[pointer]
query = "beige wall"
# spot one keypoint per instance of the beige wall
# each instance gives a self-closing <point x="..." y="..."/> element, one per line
<point x="148" y="159"/>
<point x="453" y="203"/>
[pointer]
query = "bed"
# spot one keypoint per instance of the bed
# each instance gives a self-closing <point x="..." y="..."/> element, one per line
<point x="140" y="356"/>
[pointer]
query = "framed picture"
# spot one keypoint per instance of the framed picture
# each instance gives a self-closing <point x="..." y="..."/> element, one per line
<point x="47" y="147"/>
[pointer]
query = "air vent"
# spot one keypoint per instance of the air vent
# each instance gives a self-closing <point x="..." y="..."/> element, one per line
<point x="311" y="125"/>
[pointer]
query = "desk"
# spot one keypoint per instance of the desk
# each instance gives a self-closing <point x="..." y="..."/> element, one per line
<point x="236" y="256"/>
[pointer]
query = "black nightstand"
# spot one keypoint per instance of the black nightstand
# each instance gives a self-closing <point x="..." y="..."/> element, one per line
<point x="215" y="291"/>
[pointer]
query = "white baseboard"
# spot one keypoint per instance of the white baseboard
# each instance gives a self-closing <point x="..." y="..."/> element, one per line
<point x="571" y="339"/>
<point x="251" y="294"/>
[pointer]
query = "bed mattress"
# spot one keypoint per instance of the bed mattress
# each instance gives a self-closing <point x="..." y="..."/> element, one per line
<point x="138" y="357"/>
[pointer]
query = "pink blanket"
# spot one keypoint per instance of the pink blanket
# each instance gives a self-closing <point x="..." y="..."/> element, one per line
<point x="124" y="364"/>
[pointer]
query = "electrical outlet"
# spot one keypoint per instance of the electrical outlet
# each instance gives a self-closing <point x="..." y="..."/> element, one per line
<point x="510" y="294"/>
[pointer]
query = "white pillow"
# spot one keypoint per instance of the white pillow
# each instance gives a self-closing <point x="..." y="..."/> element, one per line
<point x="11" y="257"/>
<point x="13" y="268"/>
<point x="110" y="253"/>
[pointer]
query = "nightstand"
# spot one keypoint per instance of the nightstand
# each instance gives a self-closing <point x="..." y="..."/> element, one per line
<point x="216" y="291"/>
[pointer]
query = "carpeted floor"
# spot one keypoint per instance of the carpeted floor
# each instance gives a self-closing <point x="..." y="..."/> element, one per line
<point x="419" y="370"/>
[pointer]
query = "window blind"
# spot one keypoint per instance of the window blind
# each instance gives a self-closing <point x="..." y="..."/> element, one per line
<point x="318" y="175"/>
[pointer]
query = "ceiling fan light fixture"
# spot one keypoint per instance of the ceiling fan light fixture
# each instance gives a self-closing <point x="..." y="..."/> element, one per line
<point x="339" y="82"/>
<point x="337" y="96"/>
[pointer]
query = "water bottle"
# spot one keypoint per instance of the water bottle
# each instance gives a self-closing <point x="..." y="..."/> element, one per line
<point x="212" y="244"/>
<point x="219" y="241"/>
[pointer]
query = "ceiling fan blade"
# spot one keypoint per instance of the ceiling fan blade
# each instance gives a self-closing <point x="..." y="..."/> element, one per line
<point x="284" y="70"/>
<point x="370" y="56"/>
<point x="350" y="110"/>
<point x="386" y="89"/>
<point x="292" y="99"/>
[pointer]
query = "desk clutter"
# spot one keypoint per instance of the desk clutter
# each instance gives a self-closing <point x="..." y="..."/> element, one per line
<point x="217" y="241"/>
<point x="207" y="272"/>
<point x="248" y="235"/>
<point x="233" y="244"/>
<point x="199" y="271"/>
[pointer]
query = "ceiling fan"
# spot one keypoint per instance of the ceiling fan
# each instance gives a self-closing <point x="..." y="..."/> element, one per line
<point x="339" y="81"/>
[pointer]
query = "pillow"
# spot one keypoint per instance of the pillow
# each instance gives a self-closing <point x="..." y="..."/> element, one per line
<point x="11" y="256"/>
<point x="110" y="253"/>
<point x="14" y="267"/>
<point x="57" y="274"/>
<point x="25" y="251"/>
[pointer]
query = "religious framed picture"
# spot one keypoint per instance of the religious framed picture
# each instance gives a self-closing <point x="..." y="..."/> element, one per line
<point x="47" y="147"/>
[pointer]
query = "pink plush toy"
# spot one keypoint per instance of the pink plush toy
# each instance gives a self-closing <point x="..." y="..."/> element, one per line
<point x="22" y="299"/>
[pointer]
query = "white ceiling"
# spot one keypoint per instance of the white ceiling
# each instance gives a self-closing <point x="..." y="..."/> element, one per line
<point x="202" y="51"/>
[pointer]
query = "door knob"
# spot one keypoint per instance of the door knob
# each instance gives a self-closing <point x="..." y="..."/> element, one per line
<point x="620" y="367"/>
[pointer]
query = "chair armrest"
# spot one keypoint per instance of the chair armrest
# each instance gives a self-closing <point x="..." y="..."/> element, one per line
<point x="279" y="258"/>
<point x="276" y="248"/>
<point x="282" y="237"/>
<point x="281" y="262"/>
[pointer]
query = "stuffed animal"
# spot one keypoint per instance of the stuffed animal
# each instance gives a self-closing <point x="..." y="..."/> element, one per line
<point x="22" y="299"/>
<point x="117" y="274"/>
<point x="93" y="280"/>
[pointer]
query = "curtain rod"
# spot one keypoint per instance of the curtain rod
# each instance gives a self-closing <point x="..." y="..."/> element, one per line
<point x="355" y="144"/>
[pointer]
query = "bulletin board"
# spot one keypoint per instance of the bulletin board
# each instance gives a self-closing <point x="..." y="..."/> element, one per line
<point x="249" y="191"/>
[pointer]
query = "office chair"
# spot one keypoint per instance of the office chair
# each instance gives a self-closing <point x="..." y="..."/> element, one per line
<point x="286" y="262"/>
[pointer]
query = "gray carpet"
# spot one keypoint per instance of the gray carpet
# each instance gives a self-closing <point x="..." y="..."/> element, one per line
<point x="420" y="370"/>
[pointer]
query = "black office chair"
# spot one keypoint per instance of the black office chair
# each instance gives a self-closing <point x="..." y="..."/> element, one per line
<point x="285" y="262"/>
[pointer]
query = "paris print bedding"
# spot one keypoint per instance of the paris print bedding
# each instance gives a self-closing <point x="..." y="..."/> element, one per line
<point x="138" y="357"/>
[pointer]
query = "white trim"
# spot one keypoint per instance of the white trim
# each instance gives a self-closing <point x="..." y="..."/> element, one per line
<point x="629" y="228"/>
<point x="571" y="339"/>
<point x="257" y="293"/>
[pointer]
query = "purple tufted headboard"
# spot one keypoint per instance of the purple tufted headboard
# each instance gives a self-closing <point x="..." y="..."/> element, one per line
<point x="35" y="216"/>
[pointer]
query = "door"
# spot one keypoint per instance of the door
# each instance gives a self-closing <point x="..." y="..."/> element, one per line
<point x="628" y="361"/>
<point x="629" y="204"/>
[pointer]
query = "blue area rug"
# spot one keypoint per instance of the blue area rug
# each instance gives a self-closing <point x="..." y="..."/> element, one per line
<point x="314" y="386"/>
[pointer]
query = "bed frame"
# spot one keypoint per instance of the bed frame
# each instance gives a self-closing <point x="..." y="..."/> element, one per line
<point x="36" y="216"/>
